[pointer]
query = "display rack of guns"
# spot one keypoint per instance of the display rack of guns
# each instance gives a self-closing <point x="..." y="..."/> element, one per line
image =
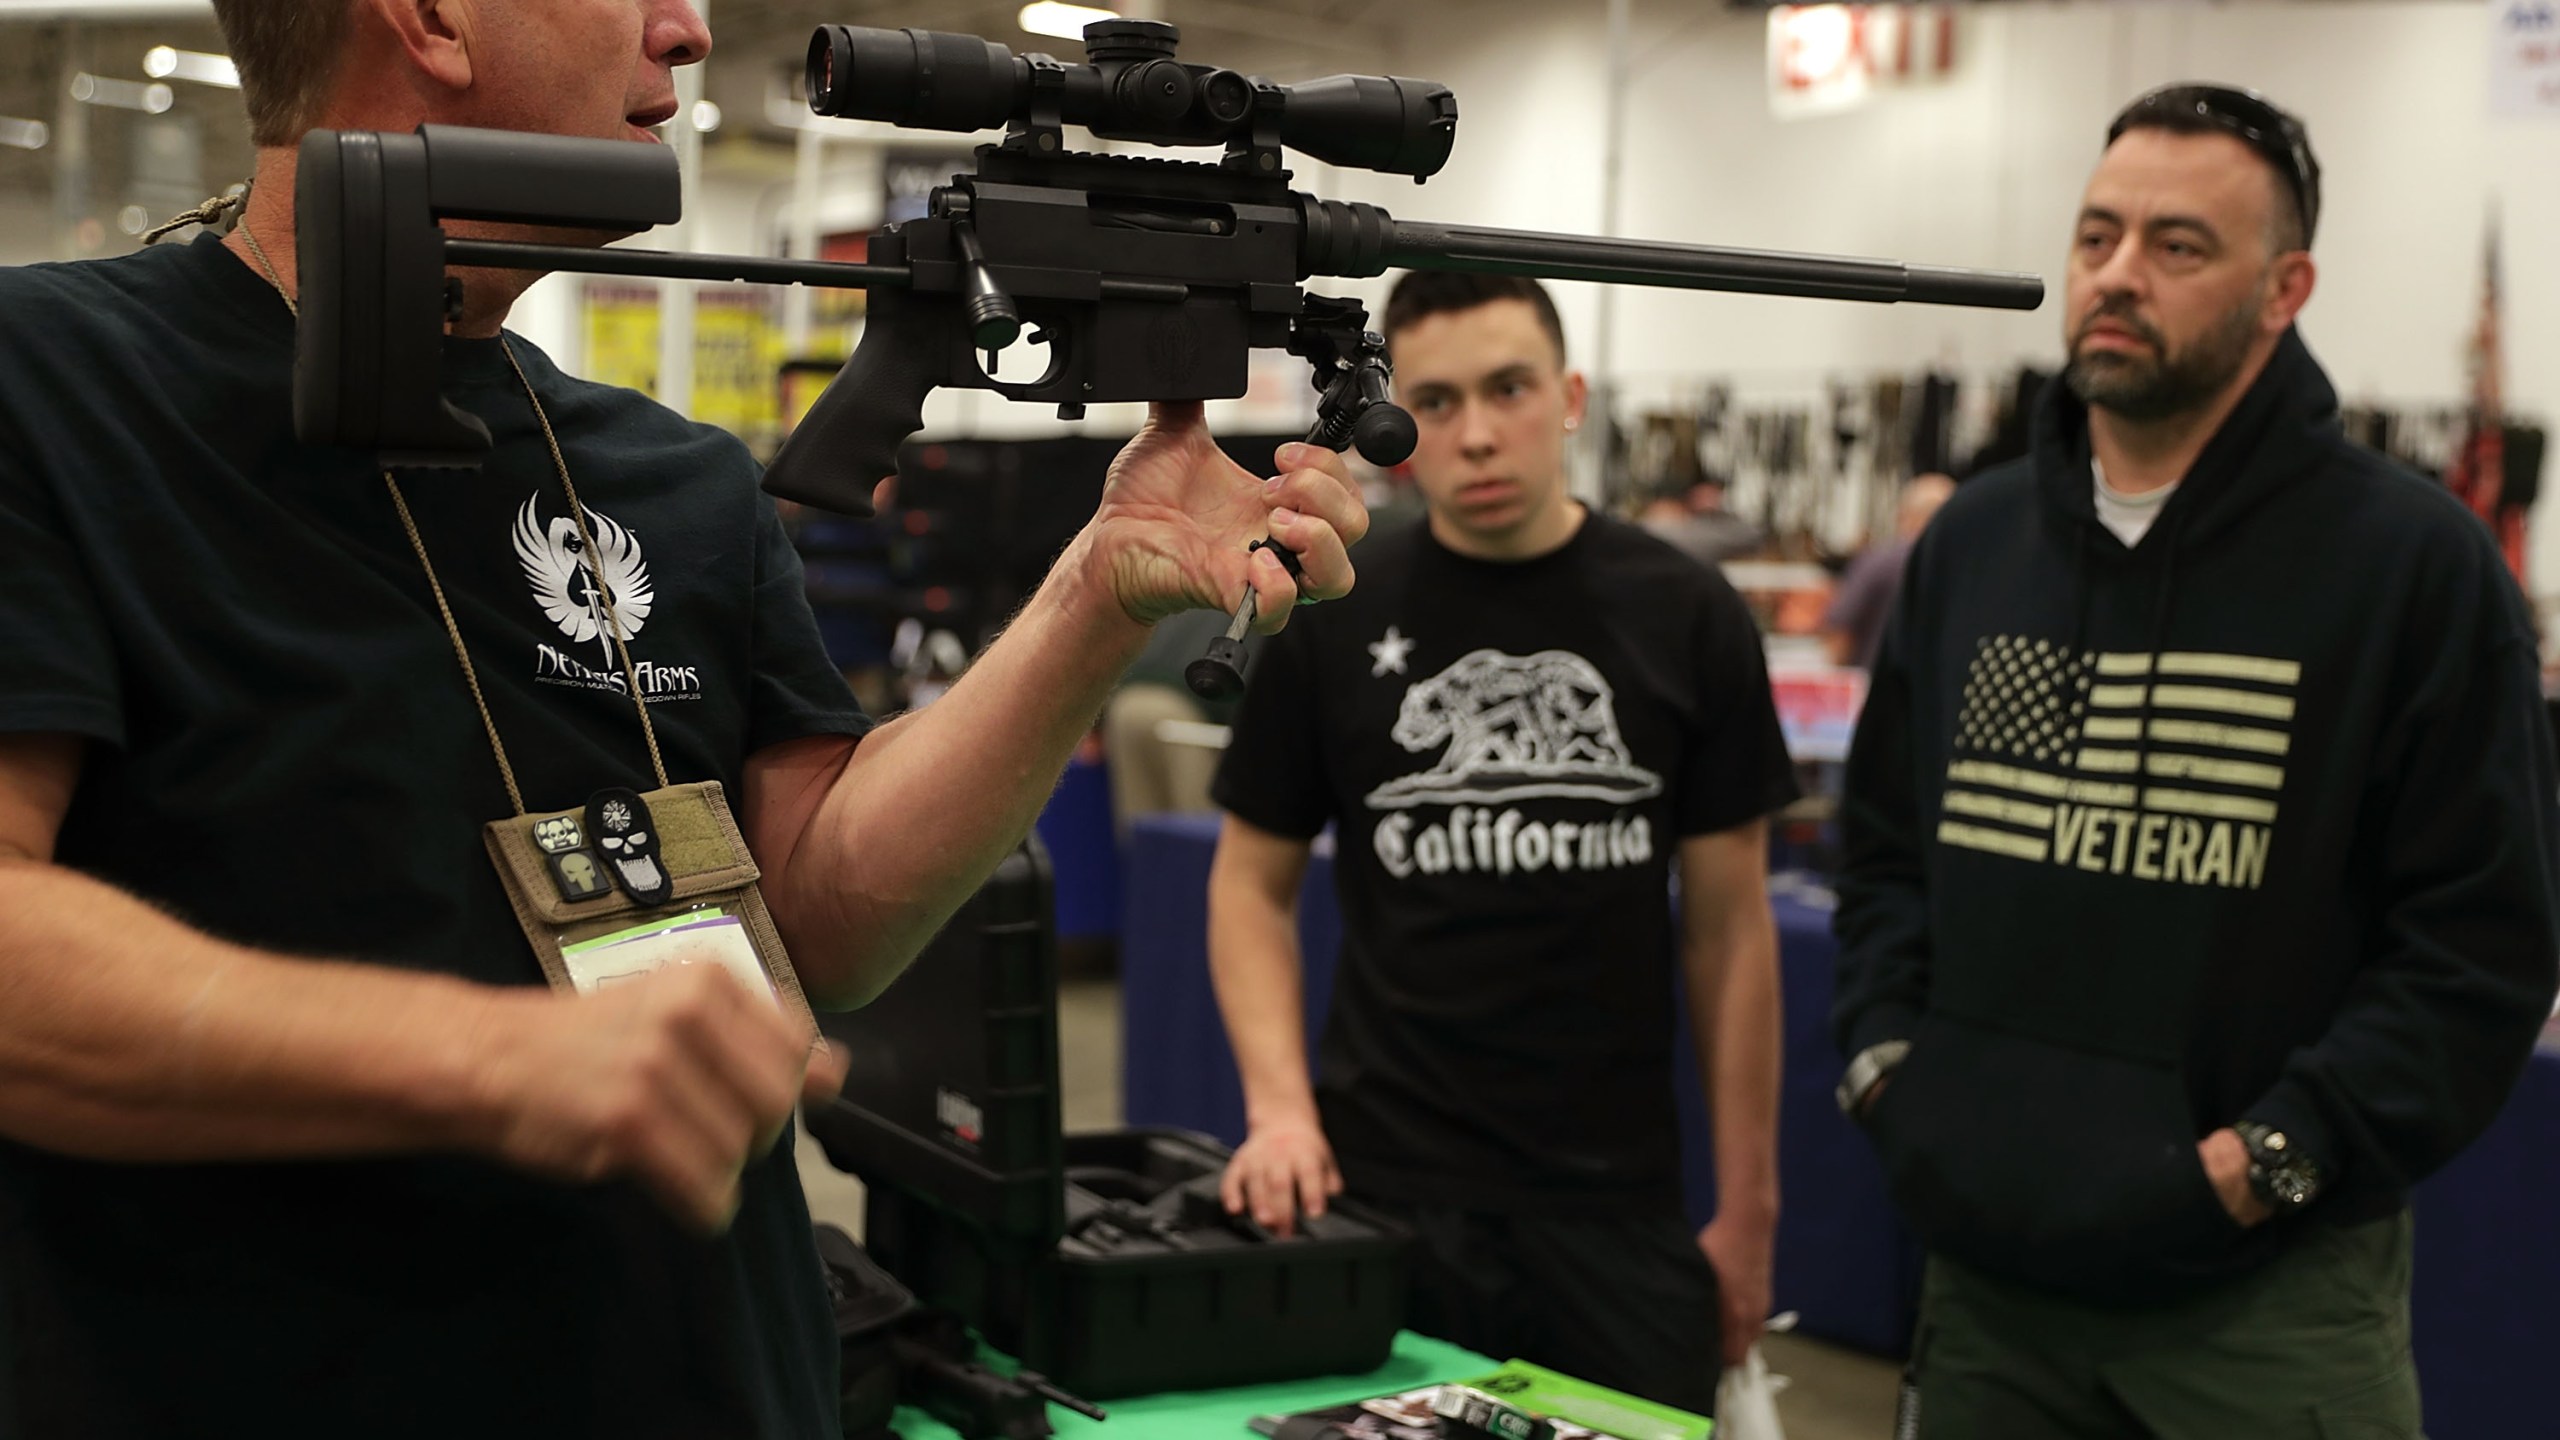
<point x="1146" y="278"/>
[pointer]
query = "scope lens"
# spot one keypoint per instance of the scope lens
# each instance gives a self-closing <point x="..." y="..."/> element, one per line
<point x="824" y="66"/>
<point x="921" y="79"/>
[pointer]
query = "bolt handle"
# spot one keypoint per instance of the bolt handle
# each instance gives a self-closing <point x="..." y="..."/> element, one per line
<point x="1219" y="674"/>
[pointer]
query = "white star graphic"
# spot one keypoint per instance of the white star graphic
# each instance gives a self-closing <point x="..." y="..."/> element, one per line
<point x="1390" y="653"/>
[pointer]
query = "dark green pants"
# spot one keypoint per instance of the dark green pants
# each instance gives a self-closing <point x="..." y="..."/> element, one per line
<point x="2313" y="1346"/>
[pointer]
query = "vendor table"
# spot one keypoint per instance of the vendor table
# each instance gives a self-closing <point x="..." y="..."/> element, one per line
<point x="1221" y="1414"/>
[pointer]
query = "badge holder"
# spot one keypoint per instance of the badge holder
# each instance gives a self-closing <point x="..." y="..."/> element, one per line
<point x="632" y="882"/>
<point x="635" y="882"/>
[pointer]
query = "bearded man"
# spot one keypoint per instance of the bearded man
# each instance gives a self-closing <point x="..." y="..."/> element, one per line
<point x="2199" y="893"/>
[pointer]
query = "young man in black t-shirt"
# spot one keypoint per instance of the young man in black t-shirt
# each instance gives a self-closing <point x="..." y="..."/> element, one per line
<point x="1526" y="714"/>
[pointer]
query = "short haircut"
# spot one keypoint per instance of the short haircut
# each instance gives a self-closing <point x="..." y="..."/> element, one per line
<point x="2277" y="138"/>
<point x="287" y="52"/>
<point x="1421" y="294"/>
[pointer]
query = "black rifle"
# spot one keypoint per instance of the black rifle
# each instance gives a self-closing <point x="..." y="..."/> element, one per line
<point x="1148" y="279"/>
<point x="895" y="1351"/>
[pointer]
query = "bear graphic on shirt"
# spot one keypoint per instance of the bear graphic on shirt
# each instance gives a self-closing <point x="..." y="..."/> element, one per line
<point x="1510" y="727"/>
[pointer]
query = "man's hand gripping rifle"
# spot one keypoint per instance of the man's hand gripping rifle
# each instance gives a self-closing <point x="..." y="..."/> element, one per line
<point x="1145" y="278"/>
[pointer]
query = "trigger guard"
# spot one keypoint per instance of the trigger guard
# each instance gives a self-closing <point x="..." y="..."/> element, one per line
<point x="1060" y="364"/>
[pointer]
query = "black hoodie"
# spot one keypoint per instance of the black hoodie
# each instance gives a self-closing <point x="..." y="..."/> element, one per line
<point x="2255" y="819"/>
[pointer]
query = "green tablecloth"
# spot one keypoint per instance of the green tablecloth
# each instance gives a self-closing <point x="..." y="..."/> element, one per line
<point x="1221" y="1414"/>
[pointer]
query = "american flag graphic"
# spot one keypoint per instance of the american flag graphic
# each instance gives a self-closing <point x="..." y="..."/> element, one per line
<point x="2165" y="767"/>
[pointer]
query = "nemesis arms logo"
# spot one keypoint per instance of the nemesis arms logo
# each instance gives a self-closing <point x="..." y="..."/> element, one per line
<point x="565" y="582"/>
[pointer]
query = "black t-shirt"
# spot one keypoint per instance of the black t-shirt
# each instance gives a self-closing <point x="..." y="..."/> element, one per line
<point x="284" y="754"/>
<point x="1512" y="752"/>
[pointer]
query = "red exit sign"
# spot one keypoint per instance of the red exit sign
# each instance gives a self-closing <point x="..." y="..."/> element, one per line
<point x="1826" y="58"/>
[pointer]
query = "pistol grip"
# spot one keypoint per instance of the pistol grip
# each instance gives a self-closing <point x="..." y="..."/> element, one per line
<point x="849" y="441"/>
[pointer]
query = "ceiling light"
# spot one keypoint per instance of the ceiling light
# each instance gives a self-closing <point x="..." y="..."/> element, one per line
<point x="106" y="9"/>
<point x="706" y="116"/>
<point x="1067" y="22"/>
<point x="155" y="98"/>
<point x="164" y="62"/>
<point x="24" y="134"/>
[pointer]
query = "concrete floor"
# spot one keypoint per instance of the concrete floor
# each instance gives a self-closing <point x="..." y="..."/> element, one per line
<point x="1830" y="1394"/>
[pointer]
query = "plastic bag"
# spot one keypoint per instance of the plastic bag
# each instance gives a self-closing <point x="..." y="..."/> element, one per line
<point x="1747" y="1396"/>
<point x="1747" y="1402"/>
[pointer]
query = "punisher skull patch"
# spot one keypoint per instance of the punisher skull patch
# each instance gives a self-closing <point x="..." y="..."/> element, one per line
<point x="579" y="874"/>
<point x="618" y="820"/>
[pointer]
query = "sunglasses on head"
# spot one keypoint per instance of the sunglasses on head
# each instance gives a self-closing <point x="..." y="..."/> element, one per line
<point x="2246" y="116"/>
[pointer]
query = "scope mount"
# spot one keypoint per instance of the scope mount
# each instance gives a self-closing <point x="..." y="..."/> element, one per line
<point x="1041" y="130"/>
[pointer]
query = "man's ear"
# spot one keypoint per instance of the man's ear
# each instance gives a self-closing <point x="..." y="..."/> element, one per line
<point x="1577" y="398"/>
<point x="439" y="37"/>
<point x="2289" y="284"/>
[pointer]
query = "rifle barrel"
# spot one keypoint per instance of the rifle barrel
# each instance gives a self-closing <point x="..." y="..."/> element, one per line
<point x="1425" y="245"/>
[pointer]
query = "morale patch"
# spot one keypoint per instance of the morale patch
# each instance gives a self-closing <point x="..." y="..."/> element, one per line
<point x="558" y="835"/>
<point x="623" y="829"/>
<point x="579" y="875"/>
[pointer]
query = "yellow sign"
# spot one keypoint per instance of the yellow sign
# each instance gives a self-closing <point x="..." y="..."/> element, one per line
<point x="737" y="361"/>
<point x="622" y="336"/>
<point x="737" y="351"/>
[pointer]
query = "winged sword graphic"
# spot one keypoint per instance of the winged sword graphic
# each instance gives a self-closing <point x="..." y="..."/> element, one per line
<point x="564" y="584"/>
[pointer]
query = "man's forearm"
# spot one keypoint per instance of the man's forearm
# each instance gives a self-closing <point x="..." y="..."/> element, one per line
<point x="1739" y="1023"/>
<point x="125" y="1035"/>
<point x="1255" y="965"/>
<point x="902" y="832"/>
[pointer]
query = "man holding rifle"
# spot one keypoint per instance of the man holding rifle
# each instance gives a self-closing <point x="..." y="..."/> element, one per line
<point x="292" y="1139"/>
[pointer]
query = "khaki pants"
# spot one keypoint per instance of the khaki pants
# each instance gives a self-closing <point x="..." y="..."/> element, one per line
<point x="2313" y="1346"/>
<point x="1151" y="775"/>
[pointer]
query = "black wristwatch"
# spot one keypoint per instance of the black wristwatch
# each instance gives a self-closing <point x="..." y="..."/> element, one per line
<point x="2279" y="1174"/>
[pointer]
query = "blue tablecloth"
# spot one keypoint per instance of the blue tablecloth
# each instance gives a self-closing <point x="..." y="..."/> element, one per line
<point x="2487" y="1300"/>
<point x="2486" y="1308"/>
<point x="1084" y="856"/>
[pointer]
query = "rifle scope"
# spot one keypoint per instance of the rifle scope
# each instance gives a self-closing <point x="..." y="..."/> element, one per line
<point x="1134" y="89"/>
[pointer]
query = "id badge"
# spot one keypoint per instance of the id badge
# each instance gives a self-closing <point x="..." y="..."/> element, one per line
<point x="696" y="935"/>
<point x="634" y="882"/>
